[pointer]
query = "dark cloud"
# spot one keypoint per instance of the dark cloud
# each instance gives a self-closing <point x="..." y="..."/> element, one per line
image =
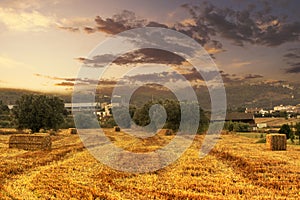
<point x="191" y="75"/>
<point x="256" y="23"/>
<point x="250" y="25"/>
<point x="291" y="55"/>
<point x="97" y="61"/>
<point x="65" y="84"/>
<point x="229" y="78"/>
<point x="295" y="68"/>
<point x="150" y="56"/>
<point x="55" y="78"/>
<point x="253" y="76"/>
<point x="156" y="24"/>
<point x="71" y="81"/>
<point x="119" y="22"/>
<point x="141" y="56"/>
<point x="69" y="28"/>
<point x="292" y="58"/>
<point x="89" y="30"/>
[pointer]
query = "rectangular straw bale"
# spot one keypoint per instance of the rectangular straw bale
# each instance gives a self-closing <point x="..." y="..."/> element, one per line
<point x="276" y="142"/>
<point x="30" y="142"/>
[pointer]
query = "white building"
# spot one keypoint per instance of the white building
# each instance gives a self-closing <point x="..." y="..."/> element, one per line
<point x="77" y="107"/>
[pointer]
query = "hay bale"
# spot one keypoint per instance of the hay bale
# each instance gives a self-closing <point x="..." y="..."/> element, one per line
<point x="72" y="131"/>
<point x="117" y="129"/>
<point x="30" y="142"/>
<point x="165" y="131"/>
<point x="276" y="142"/>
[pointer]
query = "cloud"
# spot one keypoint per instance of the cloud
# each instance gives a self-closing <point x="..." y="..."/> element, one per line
<point x="191" y="75"/>
<point x="71" y="29"/>
<point x="141" y="56"/>
<point x="89" y="30"/>
<point x="292" y="58"/>
<point x="118" y="23"/>
<point x="55" y="78"/>
<point x="127" y="20"/>
<point x="239" y="64"/>
<point x="70" y="82"/>
<point x="295" y="68"/>
<point x="74" y="24"/>
<point x="252" y="76"/>
<point x="65" y="84"/>
<point x="250" y="25"/>
<point x="17" y="20"/>
<point x="257" y="23"/>
<point x="291" y="55"/>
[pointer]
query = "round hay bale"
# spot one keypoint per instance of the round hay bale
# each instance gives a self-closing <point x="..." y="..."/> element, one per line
<point x="72" y="131"/>
<point x="276" y="142"/>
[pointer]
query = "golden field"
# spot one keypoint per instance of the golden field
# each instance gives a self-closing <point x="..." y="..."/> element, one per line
<point x="237" y="168"/>
<point x="277" y="122"/>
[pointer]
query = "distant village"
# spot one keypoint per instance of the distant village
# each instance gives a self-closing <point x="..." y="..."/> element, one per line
<point x="288" y="110"/>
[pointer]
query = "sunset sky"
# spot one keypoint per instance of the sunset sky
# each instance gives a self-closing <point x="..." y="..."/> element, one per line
<point x="44" y="43"/>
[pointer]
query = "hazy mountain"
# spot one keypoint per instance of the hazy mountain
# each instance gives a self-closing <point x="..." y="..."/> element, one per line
<point x="261" y="94"/>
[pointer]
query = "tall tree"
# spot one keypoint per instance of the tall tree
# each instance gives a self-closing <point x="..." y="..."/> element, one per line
<point x="3" y="108"/>
<point x="285" y="129"/>
<point x="143" y="115"/>
<point x="297" y="131"/>
<point x="39" y="111"/>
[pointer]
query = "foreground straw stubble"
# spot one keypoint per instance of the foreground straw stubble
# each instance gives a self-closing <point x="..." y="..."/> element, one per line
<point x="237" y="168"/>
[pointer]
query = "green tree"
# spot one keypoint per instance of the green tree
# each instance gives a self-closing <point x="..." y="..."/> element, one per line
<point x="121" y="116"/>
<point x="285" y="129"/>
<point x="3" y="108"/>
<point x="143" y="115"/>
<point x="297" y="131"/>
<point x="86" y="120"/>
<point x="236" y="126"/>
<point x="37" y="112"/>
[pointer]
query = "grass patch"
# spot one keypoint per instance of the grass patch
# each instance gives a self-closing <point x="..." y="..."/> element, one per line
<point x="252" y="135"/>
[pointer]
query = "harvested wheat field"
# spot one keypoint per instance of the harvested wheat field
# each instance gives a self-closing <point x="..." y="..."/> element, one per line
<point x="237" y="168"/>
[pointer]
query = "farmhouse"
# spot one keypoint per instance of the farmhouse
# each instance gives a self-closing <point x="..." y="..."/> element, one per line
<point x="240" y="117"/>
<point x="77" y="107"/>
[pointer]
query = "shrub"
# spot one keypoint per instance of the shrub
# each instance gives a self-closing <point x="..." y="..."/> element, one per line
<point x="285" y="129"/>
<point x="236" y="126"/>
<point x="37" y="112"/>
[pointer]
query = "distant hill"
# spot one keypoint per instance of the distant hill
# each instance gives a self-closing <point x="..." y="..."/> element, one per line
<point x="265" y="95"/>
<point x="9" y="96"/>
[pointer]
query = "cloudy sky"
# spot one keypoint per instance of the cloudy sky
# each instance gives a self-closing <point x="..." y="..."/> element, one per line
<point x="44" y="43"/>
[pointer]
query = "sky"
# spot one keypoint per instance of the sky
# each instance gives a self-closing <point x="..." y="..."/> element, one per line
<point x="43" y="44"/>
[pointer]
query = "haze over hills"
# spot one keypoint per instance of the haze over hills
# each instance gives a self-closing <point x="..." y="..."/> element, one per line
<point x="242" y="94"/>
<point x="11" y="95"/>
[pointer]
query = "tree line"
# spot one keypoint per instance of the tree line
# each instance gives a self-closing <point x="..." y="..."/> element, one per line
<point x="36" y="112"/>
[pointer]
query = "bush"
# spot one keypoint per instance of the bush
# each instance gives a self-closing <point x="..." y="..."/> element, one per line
<point x="237" y="126"/>
<point x="172" y="115"/>
<point x="285" y="129"/>
<point x="37" y="112"/>
<point x="5" y="124"/>
<point x="68" y="123"/>
<point x="108" y="122"/>
<point x="86" y="120"/>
